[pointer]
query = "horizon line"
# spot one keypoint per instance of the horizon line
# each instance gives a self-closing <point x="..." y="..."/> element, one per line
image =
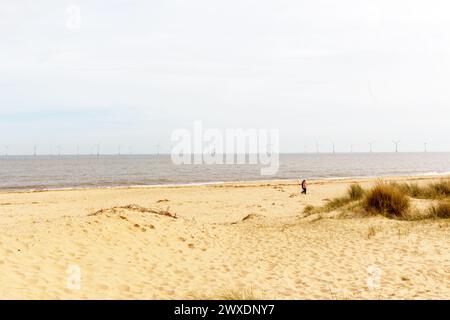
<point x="168" y="154"/>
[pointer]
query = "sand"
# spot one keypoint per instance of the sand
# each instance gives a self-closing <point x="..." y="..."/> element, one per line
<point x="218" y="241"/>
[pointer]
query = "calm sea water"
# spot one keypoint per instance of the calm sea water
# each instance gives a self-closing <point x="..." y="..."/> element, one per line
<point x="53" y="172"/>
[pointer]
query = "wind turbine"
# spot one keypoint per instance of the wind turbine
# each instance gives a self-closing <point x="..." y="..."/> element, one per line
<point x="396" y="145"/>
<point x="6" y="151"/>
<point x="370" y="147"/>
<point x="35" y="150"/>
<point x="333" y="147"/>
<point x="425" y="147"/>
<point x="269" y="149"/>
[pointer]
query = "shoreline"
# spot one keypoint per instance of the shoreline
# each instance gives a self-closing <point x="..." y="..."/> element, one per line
<point x="424" y="176"/>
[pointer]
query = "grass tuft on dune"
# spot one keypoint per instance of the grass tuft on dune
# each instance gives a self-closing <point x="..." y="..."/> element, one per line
<point x="386" y="199"/>
<point x="435" y="190"/>
<point x="441" y="210"/>
<point x="354" y="193"/>
<point x="392" y="199"/>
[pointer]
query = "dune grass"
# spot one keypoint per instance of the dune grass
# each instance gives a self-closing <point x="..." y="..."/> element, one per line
<point x="231" y="294"/>
<point x="241" y="294"/>
<point x="441" y="210"/>
<point x="392" y="199"/>
<point x="371" y="232"/>
<point x="439" y="189"/>
<point x="435" y="190"/>
<point x="354" y="193"/>
<point x="309" y="209"/>
<point x="410" y="189"/>
<point x="385" y="199"/>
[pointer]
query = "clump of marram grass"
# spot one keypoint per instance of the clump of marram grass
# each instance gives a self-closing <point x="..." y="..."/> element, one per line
<point x="355" y="192"/>
<point x="414" y="190"/>
<point x="239" y="294"/>
<point x="336" y="203"/>
<point x="386" y="199"/>
<point x="438" y="189"/>
<point x="229" y="294"/>
<point x="434" y="190"/>
<point x="392" y="199"/>
<point x="309" y="209"/>
<point x="410" y="189"/>
<point x="371" y="232"/>
<point x="441" y="210"/>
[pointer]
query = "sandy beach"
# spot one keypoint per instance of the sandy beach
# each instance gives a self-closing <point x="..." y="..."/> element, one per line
<point x="206" y="242"/>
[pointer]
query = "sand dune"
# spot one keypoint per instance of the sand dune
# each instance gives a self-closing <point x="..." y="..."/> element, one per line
<point x="205" y="241"/>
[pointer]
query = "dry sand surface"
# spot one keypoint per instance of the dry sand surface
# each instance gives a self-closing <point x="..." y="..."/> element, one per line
<point x="225" y="239"/>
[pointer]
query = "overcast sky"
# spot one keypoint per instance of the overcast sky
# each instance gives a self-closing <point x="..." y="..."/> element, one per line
<point x="131" y="72"/>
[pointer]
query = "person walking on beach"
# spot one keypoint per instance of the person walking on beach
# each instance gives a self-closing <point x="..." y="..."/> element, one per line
<point x="304" y="186"/>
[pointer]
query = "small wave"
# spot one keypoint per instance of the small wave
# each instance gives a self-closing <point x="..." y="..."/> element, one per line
<point x="434" y="173"/>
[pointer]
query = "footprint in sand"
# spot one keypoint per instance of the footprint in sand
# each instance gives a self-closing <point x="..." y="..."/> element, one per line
<point x="124" y="287"/>
<point x="32" y="281"/>
<point x="102" y="287"/>
<point x="8" y="251"/>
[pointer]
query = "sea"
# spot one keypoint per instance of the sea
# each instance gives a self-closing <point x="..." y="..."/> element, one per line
<point x="92" y="171"/>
